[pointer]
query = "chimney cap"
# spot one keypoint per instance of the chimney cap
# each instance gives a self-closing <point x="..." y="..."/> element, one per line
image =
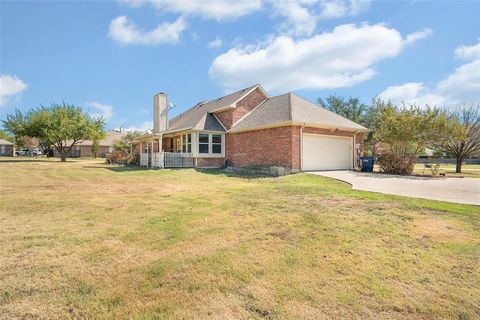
<point x="161" y="92"/>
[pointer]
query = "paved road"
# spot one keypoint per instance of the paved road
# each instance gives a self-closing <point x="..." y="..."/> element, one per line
<point x="459" y="190"/>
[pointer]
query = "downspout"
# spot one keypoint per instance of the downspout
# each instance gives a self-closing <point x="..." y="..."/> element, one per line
<point x="301" y="147"/>
<point x="355" y="162"/>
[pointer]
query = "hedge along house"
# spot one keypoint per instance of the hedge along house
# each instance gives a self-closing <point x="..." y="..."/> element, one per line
<point x="248" y="128"/>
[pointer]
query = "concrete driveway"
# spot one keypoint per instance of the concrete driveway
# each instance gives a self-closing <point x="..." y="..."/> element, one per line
<point x="459" y="190"/>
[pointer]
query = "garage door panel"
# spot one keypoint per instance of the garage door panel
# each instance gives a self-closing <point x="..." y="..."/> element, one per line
<point x="326" y="152"/>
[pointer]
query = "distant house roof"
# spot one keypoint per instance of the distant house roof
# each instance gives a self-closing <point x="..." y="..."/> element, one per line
<point x="112" y="135"/>
<point x="6" y="142"/>
<point x="289" y="107"/>
<point x="200" y="117"/>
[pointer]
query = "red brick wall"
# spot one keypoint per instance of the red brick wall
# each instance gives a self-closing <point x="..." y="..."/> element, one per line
<point x="210" y="162"/>
<point x="8" y="150"/>
<point x="272" y="146"/>
<point x="86" y="151"/>
<point x="244" y="106"/>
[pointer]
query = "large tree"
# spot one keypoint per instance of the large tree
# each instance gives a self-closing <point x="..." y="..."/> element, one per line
<point x="60" y="125"/>
<point x="401" y="133"/>
<point x="350" y="108"/>
<point x="467" y="142"/>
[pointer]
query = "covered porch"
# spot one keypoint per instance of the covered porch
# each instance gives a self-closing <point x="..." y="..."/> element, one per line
<point x="180" y="149"/>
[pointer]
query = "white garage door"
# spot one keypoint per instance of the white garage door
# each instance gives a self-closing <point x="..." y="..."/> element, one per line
<point x="326" y="152"/>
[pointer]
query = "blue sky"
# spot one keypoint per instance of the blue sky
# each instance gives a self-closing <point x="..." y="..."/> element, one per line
<point x="112" y="56"/>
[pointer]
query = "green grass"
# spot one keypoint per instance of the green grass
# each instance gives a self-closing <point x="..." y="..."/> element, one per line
<point x="85" y="240"/>
<point x="468" y="170"/>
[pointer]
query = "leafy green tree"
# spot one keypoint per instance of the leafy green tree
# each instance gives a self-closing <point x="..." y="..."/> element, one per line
<point x="466" y="143"/>
<point x="60" y="125"/>
<point x="404" y="132"/>
<point x="350" y="108"/>
<point x="124" y="151"/>
<point x="95" y="147"/>
<point x="5" y="136"/>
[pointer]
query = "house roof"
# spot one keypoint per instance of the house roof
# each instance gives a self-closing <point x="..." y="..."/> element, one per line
<point x="112" y="135"/>
<point x="199" y="117"/>
<point x="290" y="108"/>
<point x="6" y="142"/>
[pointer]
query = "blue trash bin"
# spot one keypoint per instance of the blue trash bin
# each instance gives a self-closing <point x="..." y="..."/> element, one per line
<point x="367" y="164"/>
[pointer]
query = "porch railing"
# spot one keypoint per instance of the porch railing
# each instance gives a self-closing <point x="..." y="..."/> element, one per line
<point x="177" y="160"/>
<point x="166" y="160"/>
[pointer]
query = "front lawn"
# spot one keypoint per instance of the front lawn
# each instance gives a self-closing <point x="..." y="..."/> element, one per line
<point x="468" y="170"/>
<point x="84" y="240"/>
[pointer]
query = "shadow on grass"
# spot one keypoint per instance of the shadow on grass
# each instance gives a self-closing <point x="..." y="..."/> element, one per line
<point x="212" y="171"/>
<point x="222" y="172"/>
<point x="13" y="160"/>
<point x="125" y="168"/>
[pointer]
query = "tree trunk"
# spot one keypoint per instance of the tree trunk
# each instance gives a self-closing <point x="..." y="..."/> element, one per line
<point x="63" y="156"/>
<point x="458" y="168"/>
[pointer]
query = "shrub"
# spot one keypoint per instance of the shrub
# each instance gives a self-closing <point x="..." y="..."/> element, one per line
<point x="120" y="157"/>
<point x="394" y="164"/>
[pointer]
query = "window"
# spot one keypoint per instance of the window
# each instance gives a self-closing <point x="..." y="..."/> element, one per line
<point x="203" y="143"/>
<point x="187" y="143"/>
<point x="210" y="143"/>
<point x="216" y="143"/>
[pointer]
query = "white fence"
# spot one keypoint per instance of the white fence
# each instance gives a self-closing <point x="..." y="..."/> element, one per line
<point x="177" y="160"/>
<point x="166" y="160"/>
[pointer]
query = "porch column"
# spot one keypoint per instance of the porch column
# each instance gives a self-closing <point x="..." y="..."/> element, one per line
<point x="194" y="144"/>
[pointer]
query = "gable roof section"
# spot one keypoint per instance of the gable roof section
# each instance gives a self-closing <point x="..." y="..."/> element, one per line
<point x="199" y="117"/>
<point x="112" y="135"/>
<point x="6" y="142"/>
<point x="290" y="108"/>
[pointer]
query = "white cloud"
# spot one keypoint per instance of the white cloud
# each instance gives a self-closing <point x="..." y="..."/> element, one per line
<point x="302" y="15"/>
<point x="102" y="110"/>
<point x="461" y="86"/>
<point x="412" y="92"/>
<point x="10" y="86"/>
<point x="340" y="58"/>
<point x="299" y="19"/>
<point x="209" y="9"/>
<point x="145" y="126"/>
<point x="217" y="43"/>
<point x="468" y="52"/>
<point x="342" y="8"/>
<point x="126" y="32"/>
<point x="415" y="36"/>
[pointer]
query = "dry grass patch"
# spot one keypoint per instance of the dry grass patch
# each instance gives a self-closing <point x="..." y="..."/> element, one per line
<point x="84" y="240"/>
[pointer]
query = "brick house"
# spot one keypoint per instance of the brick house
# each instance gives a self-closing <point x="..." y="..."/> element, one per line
<point x="249" y="128"/>
<point x="84" y="147"/>
<point x="7" y="148"/>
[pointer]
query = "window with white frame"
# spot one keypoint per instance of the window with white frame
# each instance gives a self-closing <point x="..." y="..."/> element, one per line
<point x="216" y="143"/>
<point x="210" y="143"/>
<point x="203" y="143"/>
<point x="187" y="143"/>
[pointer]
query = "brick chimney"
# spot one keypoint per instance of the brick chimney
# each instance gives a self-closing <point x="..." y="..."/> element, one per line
<point x="160" y="112"/>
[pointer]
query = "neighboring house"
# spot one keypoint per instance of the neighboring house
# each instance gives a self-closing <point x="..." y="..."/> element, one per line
<point x="7" y="148"/>
<point x="248" y="128"/>
<point x="84" y="148"/>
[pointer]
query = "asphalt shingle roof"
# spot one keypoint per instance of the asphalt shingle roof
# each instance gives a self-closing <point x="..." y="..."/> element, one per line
<point x="5" y="142"/>
<point x="199" y="118"/>
<point x="291" y="108"/>
<point x="112" y="135"/>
